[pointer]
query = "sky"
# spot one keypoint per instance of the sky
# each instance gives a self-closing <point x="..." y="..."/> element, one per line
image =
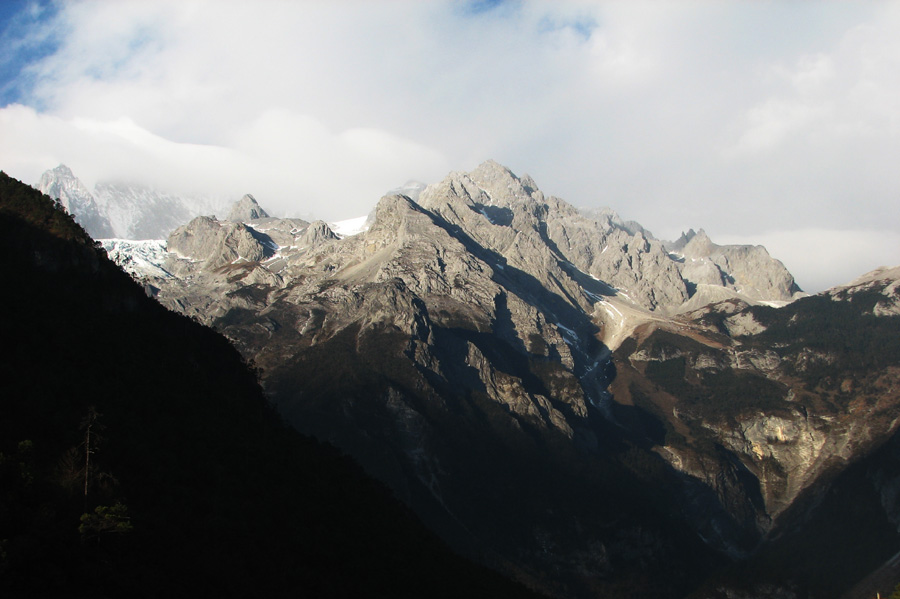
<point x="764" y="122"/>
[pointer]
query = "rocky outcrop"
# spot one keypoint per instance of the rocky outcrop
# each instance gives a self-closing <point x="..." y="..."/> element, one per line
<point x="772" y="391"/>
<point x="749" y="271"/>
<point x="513" y="218"/>
<point x="553" y="241"/>
<point x="215" y="244"/>
<point x="316" y="234"/>
<point x="61" y="184"/>
<point x="246" y="209"/>
<point x="882" y="286"/>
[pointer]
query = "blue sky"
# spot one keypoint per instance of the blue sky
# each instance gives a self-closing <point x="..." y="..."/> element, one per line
<point x="16" y="17"/>
<point x="761" y="122"/>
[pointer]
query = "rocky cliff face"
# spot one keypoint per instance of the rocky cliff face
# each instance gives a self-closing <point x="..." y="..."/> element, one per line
<point x="548" y="388"/>
<point x="216" y="244"/>
<point x="550" y="239"/>
<point x="245" y="209"/>
<point x="768" y="390"/>
<point x="60" y="184"/>
<point x="124" y="210"/>
<point x="747" y="271"/>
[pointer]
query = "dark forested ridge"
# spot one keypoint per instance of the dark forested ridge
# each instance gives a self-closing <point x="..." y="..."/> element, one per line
<point x="139" y="458"/>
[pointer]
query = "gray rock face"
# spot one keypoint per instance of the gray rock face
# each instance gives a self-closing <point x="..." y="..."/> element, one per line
<point x="216" y="263"/>
<point x="513" y="219"/>
<point x="485" y="248"/>
<point x="246" y="209"/>
<point x="748" y="271"/>
<point x="316" y="234"/>
<point x="454" y="348"/>
<point x="553" y="241"/>
<point x="786" y="411"/>
<point x="215" y="244"/>
<point x="416" y="274"/>
<point x="123" y="210"/>
<point x="61" y="184"/>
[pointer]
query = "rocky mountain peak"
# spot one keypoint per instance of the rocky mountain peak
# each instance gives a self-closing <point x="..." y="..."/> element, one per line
<point x="698" y="245"/>
<point x="712" y="271"/>
<point x="887" y="274"/>
<point x="317" y="233"/>
<point x="501" y="185"/>
<point x="390" y="210"/>
<point x="547" y="238"/>
<point x="124" y="210"/>
<point x="216" y="243"/>
<point x="61" y="171"/>
<point x="678" y="245"/>
<point x="608" y="219"/>
<point x="245" y="209"/>
<point x="61" y="184"/>
<point x="537" y="233"/>
<point x="491" y="170"/>
<point x="528" y="183"/>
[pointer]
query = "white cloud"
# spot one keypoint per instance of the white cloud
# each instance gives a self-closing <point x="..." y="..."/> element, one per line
<point x="302" y="165"/>
<point x="98" y="150"/>
<point x="726" y="115"/>
<point x="292" y="163"/>
<point x="775" y="121"/>
<point x="813" y="73"/>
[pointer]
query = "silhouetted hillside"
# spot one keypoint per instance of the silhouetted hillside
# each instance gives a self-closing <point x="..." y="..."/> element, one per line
<point x="139" y="458"/>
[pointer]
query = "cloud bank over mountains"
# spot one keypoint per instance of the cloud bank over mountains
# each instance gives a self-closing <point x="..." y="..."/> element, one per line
<point x="751" y="120"/>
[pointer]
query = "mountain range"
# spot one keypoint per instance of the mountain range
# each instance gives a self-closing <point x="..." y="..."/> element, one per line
<point x="563" y="397"/>
<point x="140" y="458"/>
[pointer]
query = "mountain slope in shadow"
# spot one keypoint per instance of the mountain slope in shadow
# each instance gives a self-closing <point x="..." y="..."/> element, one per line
<point x="139" y="457"/>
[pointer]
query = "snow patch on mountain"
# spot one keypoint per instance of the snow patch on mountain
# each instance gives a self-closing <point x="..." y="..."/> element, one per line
<point x="141" y="212"/>
<point x="140" y="259"/>
<point x="351" y="226"/>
